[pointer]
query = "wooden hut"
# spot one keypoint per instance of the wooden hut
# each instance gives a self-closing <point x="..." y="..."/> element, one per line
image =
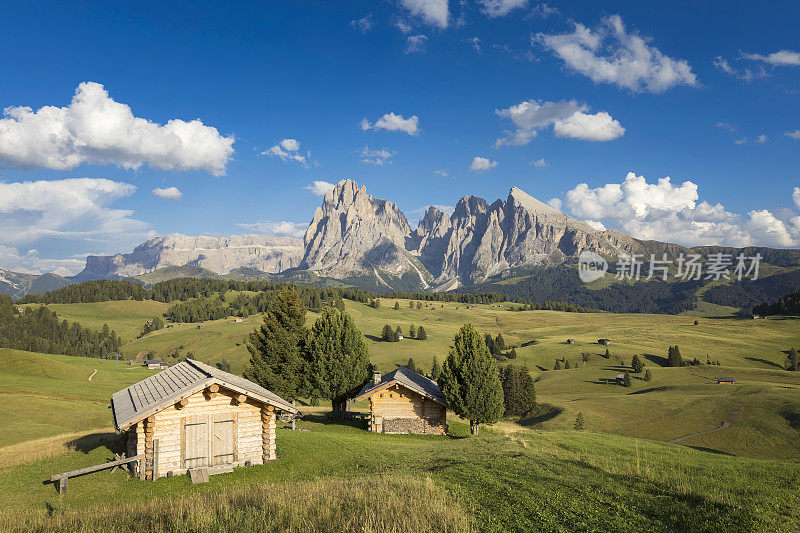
<point x="193" y="415"/>
<point x="604" y="342"/>
<point x="155" y="364"/>
<point x="403" y="401"/>
<point x="725" y="380"/>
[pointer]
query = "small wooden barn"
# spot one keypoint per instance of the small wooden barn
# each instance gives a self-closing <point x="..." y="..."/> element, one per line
<point x="604" y="342"/>
<point x="193" y="415"/>
<point x="155" y="364"/>
<point x="725" y="380"/>
<point x="404" y="401"/>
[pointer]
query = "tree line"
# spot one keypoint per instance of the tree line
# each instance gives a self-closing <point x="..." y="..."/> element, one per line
<point x="38" y="329"/>
<point x="785" y="305"/>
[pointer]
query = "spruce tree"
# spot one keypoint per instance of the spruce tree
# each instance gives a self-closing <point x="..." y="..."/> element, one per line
<point x="792" y="360"/>
<point x="436" y="369"/>
<point x="411" y="365"/>
<point x="567" y="366"/>
<point x="421" y="334"/>
<point x="419" y="305"/>
<point x="337" y="357"/>
<point x="276" y="361"/>
<point x="412" y="332"/>
<point x="499" y="343"/>
<point x="626" y="380"/>
<point x="557" y="365"/>
<point x="411" y="304"/>
<point x="470" y="380"/>
<point x="397" y="306"/>
<point x="519" y="393"/>
<point x="512" y="354"/>
<point x="489" y="341"/>
<point x="674" y="356"/>
<point x="398" y="333"/>
<point x="608" y="354"/>
<point x="637" y="364"/>
<point x="579" y="424"/>
<point x="648" y="375"/>
<point x="387" y="334"/>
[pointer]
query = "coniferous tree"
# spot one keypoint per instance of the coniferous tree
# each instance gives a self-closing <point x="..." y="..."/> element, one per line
<point x="337" y="358"/>
<point x="512" y="354"/>
<point x="224" y="365"/>
<point x="626" y="380"/>
<point x="411" y="304"/>
<point x="557" y="366"/>
<point x="436" y="369"/>
<point x="387" y="334"/>
<point x="579" y="424"/>
<point x="411" y="365"/>
<point x="276" y="361"/>
<point x="398" y="333"/>
<point x="499" y="343"/>
<point x="397" y="306"/>
<point x="648" y="375"/>
<point x="519" y="393"/>
<point x="470" y="380"/>
<point x="674" y="356"/>
<point x="608" y="354"/>
<point x="567" y="366"/>
<point x="421" y="334"/>
<point x="637" y="364"/>
<point x="489" y="341"/>
<point x="792" y="360"/>
<point x="412" y="332"/>
<point x="419" y="305"/>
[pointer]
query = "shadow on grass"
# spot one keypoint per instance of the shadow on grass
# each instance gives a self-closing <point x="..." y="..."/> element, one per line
<point x="529" y="343"/>
<point x="87" y="443"/>
<point x="793" y="418"/>
<point x="710" y="450"/>
<point x="653" y="389"/>
<point x="764" y="361"/>
<point x="657" y="359"/>
<point x="323" y="419"/>
<point x="542" y="413"/>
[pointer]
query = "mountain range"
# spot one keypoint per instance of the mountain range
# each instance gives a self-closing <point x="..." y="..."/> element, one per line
<point x="356" y="239"/>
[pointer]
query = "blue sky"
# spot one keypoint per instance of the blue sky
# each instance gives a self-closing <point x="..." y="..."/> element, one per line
<point x="224" y="104"/>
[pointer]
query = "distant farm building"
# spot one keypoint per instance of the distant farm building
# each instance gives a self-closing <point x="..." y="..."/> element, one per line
<point x="400" y="337"/>
<point x="620" y="379"/>
<point x="726" y="380"/>
<point x="194" y="416"/>
<point x="604" y="342"/>
<point x="155" y="364"/>
<point x="403" y="401"/>
<point x="570" y="341"/>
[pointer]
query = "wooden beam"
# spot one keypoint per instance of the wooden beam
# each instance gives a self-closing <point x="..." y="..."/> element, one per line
<point x="89" y="469"/>
<point x="181" y="403"/>
<point x="211" y="391"/>
<point x="240" y="398"/>
<point x="213" y="387"/>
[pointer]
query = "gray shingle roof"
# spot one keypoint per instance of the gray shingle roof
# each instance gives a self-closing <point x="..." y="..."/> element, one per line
<point x="165" y="388"/>
<point x="409" y="379"/>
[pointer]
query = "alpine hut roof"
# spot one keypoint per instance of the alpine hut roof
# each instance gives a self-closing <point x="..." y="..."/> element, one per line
<point x="409" y="379"/>
<point x="179" y="381"/>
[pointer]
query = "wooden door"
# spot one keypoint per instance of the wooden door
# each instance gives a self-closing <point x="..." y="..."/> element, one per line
<point x="223" y="440"/>
<point x="195" y="441"/>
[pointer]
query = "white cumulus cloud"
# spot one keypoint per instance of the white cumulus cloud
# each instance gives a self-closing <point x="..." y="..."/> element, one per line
<point x="95" y="129"/>
<point x="610" y="54"/>
<point x="433" y="12"/>
<point x="480" y="164"/>
<point x="319" y="188"/>
<point x="597" y="127"/>
<point x="796" y="196"/>
<point x="674" y="213"/>
<point x="393" y="122"/>
<point x="793" y="134"/>
<point x="288" y="150"/>
<point x="567" y="117"/>
<point x="31" y="262"/>
<point x="501" y="8"/>
<point x="541" y="163"/>
<point x="169" y="193"/>
<point x="555" y="203"/>
<point x="416" y="43"/>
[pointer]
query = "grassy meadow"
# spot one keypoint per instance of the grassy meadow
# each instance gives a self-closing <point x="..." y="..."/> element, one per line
<point x="531" y="474"/>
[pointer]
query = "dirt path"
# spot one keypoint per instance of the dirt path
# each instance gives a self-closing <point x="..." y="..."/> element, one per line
<point x="93" y="373"/>
<point x="732" y="418"/>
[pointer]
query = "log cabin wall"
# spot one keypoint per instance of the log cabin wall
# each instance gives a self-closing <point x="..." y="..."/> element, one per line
<point x="169" y="429"/>
<point x="400" y="410"/>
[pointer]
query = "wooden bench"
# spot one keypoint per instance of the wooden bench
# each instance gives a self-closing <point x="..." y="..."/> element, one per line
<point x="63" y="478"/>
